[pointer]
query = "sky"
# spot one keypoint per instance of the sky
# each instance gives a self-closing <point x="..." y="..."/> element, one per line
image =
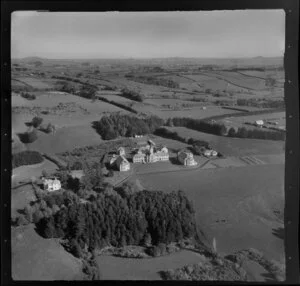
<point x="202" y="34"/>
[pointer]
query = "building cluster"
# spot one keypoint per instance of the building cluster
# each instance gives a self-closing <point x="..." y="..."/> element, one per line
<point x="151" y="154"/>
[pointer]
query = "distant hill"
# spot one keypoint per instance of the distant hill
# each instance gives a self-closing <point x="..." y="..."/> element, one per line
<point x="254" y="61"/>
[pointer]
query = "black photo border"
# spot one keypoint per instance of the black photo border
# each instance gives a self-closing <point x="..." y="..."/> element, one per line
<point x="291" y="8"/>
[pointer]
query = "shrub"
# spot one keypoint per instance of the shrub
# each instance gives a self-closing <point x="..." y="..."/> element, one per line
<point x="28" y="137"/>
<point x="131" y="94"/>
<point x="21" y="220"/>
<point x="36" y="121"/>
<point x="49" y="128"/>
<point x="28" y="95"/>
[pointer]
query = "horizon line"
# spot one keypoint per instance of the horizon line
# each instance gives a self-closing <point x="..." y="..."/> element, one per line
<point x="142" y="58"/>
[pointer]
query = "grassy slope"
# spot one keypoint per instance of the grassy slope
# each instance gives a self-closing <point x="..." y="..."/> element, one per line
<point x="36" y="258"/>
<point x="244" y="198"/>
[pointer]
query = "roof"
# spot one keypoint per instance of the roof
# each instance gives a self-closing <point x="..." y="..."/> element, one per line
<point x="77" y="173"/>
<point x="120" y="160"/>
<point x="186" y="153"/>
<point x="151" y="142"/>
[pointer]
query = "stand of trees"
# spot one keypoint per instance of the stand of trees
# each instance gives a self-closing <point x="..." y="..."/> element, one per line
<point x="29" y="136"/>
<point x="119" y="221"/>
<point x="131" y="94"/>
<point x="26" y="158"/>
<point x="200" y="125"/>
<point x="114" y="125"/>
<point x="261" y="103"/>
<point x="243" y="132"/>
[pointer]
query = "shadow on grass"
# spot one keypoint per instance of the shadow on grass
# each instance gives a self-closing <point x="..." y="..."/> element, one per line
<point x="28" y="124"/>
<point x="174" y="161"/>
<point x="278" y="232"/>
<point x="268" y="277"/>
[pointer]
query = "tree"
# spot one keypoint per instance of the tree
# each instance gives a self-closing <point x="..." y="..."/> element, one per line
<point x="147" y="240"/>
<point x="36" y="121"/>
<point x="110" y="173"/>
<point x="44" y="173"/>
<point x="231" y="132"/>
<point x="28" y="137"/>
<point x="242" y="132"/>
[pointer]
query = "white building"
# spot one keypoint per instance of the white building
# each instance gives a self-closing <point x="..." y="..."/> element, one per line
<point x="259" y="122"/>
<point x="51" y="184"/>
<point x="209" y="153"/>
<point x="186" y="158"/>
<point x="139" y="157"/>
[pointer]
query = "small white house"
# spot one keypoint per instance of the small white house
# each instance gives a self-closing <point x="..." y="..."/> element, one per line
<point x="51" y="184"/>
<point x="259" y="122"/>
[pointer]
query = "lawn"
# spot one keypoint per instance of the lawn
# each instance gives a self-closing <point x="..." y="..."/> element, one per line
<point x="233" y="205"/>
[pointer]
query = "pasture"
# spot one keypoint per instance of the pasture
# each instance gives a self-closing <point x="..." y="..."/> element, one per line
<point x="236" y="206"/>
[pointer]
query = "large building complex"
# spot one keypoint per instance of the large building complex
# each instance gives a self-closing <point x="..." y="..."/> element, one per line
<point x="150" y="154"/>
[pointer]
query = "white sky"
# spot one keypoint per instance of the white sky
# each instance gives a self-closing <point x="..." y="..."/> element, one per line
<point x="220" y="34"/>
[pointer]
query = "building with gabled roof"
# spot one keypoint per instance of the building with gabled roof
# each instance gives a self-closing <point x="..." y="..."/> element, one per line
<point x="51" y="184"/>
<point x="186" y="158"/>
<point x="122" y="164"/>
